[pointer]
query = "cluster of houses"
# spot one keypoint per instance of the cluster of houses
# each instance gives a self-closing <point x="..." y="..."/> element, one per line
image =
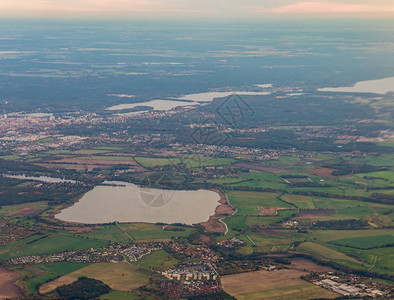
<point x="175" y="289"/>
<point x="223" y="150"/>
<point x="86" y="256"/>
<point x="194" y="251"/>
<point x="232" y="243"/>
<point x="135" y="252"/>
<point x="290" y="223"/>
<point x="112" y="253"/>
<point x="10" y="232"/>
<point x="194" y="272"/>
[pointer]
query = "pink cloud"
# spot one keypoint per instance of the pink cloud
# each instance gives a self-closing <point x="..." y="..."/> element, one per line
<point x="86" y="5"/>
<point x="190" y="8"/>
<point x="329" y="7"/>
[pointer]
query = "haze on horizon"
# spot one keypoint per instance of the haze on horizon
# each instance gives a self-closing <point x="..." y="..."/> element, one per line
<point x="180" y="9"/>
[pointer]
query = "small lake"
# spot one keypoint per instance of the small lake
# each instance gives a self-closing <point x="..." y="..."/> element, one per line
<point x="40" y="178"/>
<point x="40" y="115"/>
<point x="128" y="202"/>
<point x="378" y="86"/>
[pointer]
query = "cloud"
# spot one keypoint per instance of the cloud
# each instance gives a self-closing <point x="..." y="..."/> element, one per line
<point x="192" y="8"/>
<point x="330" y="8"/>
<point x="81" y="6"/>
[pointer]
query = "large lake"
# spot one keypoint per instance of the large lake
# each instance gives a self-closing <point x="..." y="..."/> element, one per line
<point x="192" y="99"/>
<point x="130" y="203"/>
<point x="379" y="86"/>
<point x="155" y="104"/>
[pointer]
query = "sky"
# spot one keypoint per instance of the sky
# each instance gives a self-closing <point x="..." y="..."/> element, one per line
<point x="178" y="9"/>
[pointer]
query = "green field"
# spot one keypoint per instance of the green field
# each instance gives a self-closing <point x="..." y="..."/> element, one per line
<point x="376" y="259"/>
<point x="12" y="209"/>
<point x="156" y="162"/>
<point x="332" y="235"/>
<point x="236" y="223"/>
<point x="302" y="202"/>
<point x="108" y="157"/>
<point x="48" y="245"/>
<point x="44" y="272"/>
<point x="326" y="252"/>
<point x="379" y="260"/>
<point x="252" y="179"/>
<point x="108" y="148"/>
<point x="189" y="161"/>
<point x="264" y="220"/>
<point x="270" y="177"/>
<point x="266" y="243"/>
<point x="138" y="231"/>
<point x="90" y="151"/>
<point x="369" y="242"/>
<point x="387" y="175"/>
<point x="248" y="203"/>
<point x="157" y="260"/>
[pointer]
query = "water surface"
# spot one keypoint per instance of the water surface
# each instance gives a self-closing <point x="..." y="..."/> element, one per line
<point x="155" y="104"/>
<point x="193" y="99"/>
<point x="378" y="86"/>
<point x="129" y="203"/>
<point x="41" y="178"/>
<point x="39" y="115"/>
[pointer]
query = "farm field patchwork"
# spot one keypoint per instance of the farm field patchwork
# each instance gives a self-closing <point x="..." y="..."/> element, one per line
<point x="125" y="233"/>
<point x="289" y="128"/>
<point x="23" y="209"/>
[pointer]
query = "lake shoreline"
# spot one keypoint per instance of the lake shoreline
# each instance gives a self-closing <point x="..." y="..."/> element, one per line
<point x="223" y="210"/>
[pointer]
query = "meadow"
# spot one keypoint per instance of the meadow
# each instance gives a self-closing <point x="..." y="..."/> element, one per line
<point x="369" y="242"/>
<point x="331" y="254"/>
<point x="9" y="210"/>
<point x="157" y="260"/>
<point x="37" y="245"/>
<point x="137" y="231"/>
